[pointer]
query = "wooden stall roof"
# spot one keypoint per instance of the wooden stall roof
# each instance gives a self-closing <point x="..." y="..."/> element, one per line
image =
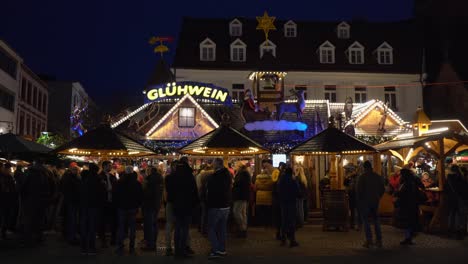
<point x="332" y="140"/>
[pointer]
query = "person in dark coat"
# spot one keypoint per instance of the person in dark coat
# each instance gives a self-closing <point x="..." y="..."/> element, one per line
<point x="70" y="186"/>
<point x="182" y="194"/>
<point x="8" y="200"/>
<point x="92" y="196"/>
<point x="241" y="196"/>
<point x="152" y="197"/>
<point x="369" y="190"/>
<point x="288" y="190"/>
<point x="108" y="215"/>
<point x="35" y="197"/>
<point x="407" y="202"/>
<point x="218" y="202"/>
<point x="129" y="197"/>
<point x="456" y="190"/>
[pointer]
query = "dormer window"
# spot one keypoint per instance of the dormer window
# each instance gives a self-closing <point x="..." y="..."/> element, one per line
<point x="327" y="53"/>
<point x="267" y="46"/>
<point x="355" y="53"/>
<point x="235" y="28"/>
<point x="385" y="54"/>
<point x="238" y="50"/>
<point x="207" y="50"/>
<point x="290" y="29"/>
<point x="343" y="30"/>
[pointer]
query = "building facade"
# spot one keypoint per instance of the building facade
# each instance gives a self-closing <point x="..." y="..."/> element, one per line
<point x="10" y="64"/>
<point x="328" y="60"/>
<point x="33" y="100"/>
<point x="74" y="112"/>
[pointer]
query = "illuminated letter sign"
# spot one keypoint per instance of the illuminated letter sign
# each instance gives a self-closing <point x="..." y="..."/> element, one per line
<point x="195" y="89"/>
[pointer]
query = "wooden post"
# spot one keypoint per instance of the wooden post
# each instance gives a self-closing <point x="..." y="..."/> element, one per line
<point x="442" y="164"/>
<point x="377" y="164"/>
<point x="225" y="160"/>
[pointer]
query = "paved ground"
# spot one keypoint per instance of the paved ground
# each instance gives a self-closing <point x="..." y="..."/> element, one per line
<point x="261" y="247"/>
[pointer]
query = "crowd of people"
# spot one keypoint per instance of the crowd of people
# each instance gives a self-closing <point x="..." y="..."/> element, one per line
<point x="98" y="205"/>
<point x="365" y="189"/>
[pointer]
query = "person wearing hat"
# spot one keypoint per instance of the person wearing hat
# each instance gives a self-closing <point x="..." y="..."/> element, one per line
<point x="394" y="179"/>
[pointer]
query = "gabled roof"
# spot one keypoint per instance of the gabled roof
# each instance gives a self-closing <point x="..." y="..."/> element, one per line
<point x="343" y="25"/>
<point x="207" y="41"/>
<point x="175" y="107"/>
<point x="332" y="141"/>
<point x="298" y="54"/>
<point x="10" y="144"/>
<point x="384" y="45"/>
<point x="327" y="44"/>
<point x="356" y="45"/>
<point x="237" y="42"/>
<point x="290" y="23"/>
<point x="161" y="74"/>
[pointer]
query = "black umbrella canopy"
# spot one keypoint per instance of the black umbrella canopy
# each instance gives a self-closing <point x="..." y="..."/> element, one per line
<point x="104" y="141"/>
<point x="13" y="144"/>
<point x="226" y="141"/>
<point x="332" y="141"/>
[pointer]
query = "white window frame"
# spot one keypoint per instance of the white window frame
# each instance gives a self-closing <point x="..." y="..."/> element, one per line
<point x="383" y="49"/>
<point x="236" y="46"/>
<point x="326" y="47"/>
<point x="207" y="44"/>
<point x="343" y="30"/>
<point x="267" y="45"/>
<point x="355" y="53"/>
<point x="183" y="115"/>
<point x="392" y="100"/>
<point x="235" y="28"/>
<point x="358" y="93"/>
<point x="330" y="92"/>
<point x="289" y="27"/>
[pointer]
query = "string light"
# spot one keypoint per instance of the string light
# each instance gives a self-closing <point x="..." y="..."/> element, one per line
<point x="114" y="125"/>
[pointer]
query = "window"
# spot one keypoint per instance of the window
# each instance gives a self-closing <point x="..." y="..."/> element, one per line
<point x="39" y="103"/>
<point x="187" y="117"/>
<point x="28" y="125"/>
<point x="38" y="130"/>
<point x="7" y="100"/>
<point x="290" y="29"/>
<point x="267" y="46"/>
<point x="21" y="124"/>
<point x="390" y="97"/>
<point x="235" y="28"/>
<point x="207" y="50"/>
<point x="238" y="86"/>
<point x="360" y="94"/>
<point x="330" y="93"/>
<point x="35" y="97"/>
<point x="23" y="88"/>
<point x="356" y="53"/>
<point x="327" y="53"/>
<point x="385" y="54"/>
<point x="44" y="104"/>
<point x="29" y="97"/>
<point x="238" y="95"/>
<point x="302" y="87"/>
<point x="7" y="63"/>
<point x="238" y="49"/>
<point x="343" y="30"/>
<point x="34" y="131"/>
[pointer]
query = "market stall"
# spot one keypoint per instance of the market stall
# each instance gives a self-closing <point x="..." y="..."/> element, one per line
<point x="335" y="146"/>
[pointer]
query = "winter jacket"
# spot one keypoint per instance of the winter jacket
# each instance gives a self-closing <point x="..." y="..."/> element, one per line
<point x="456" y="189"/>
<point x="35" y="191"/>
<point x="407" y="202"/>
<point x="128" y="193"/>
<point x="70" y="187"/>
<point x="153" y="186"/>
<point x="92" y="191"/>
<point x="202" y="177"/>
<point x="288" y="189"/>
<point x="113" y="183"/>
<point x="370" y="188"/>
<point x="218" y="189"/>
<point x="264" y="186"/>
<point x="241" y="187"/>
<point x="182" y="190"/>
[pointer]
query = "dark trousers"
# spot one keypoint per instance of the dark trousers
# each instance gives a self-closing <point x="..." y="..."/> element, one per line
<point x="88" y="221"/>
<point x="127" y="219"/>
<point x="108" y="220"/>
<point x="371" y="210"/>
<point x="33" y="220"/>
<point x="71" y="222"/>
<point x="182" y="225"/>
<point x="288" y="221"/>
<point x="150" y="225"/>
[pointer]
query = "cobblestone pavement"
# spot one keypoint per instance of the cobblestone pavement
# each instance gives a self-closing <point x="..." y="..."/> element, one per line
<point x="260" y="246"/>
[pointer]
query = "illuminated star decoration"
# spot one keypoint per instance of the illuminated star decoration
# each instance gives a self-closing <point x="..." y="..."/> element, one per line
<point x="161" y="48"/>
<point x="265" y="23"/>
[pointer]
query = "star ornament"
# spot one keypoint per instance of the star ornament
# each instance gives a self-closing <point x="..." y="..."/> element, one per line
<point x="265" y="23"/>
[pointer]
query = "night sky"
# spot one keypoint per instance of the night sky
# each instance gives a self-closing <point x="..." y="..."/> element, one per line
<point x="104" y="44"/>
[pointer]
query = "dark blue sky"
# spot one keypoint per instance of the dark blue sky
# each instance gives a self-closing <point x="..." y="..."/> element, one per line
<point x="104" y="43"/>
